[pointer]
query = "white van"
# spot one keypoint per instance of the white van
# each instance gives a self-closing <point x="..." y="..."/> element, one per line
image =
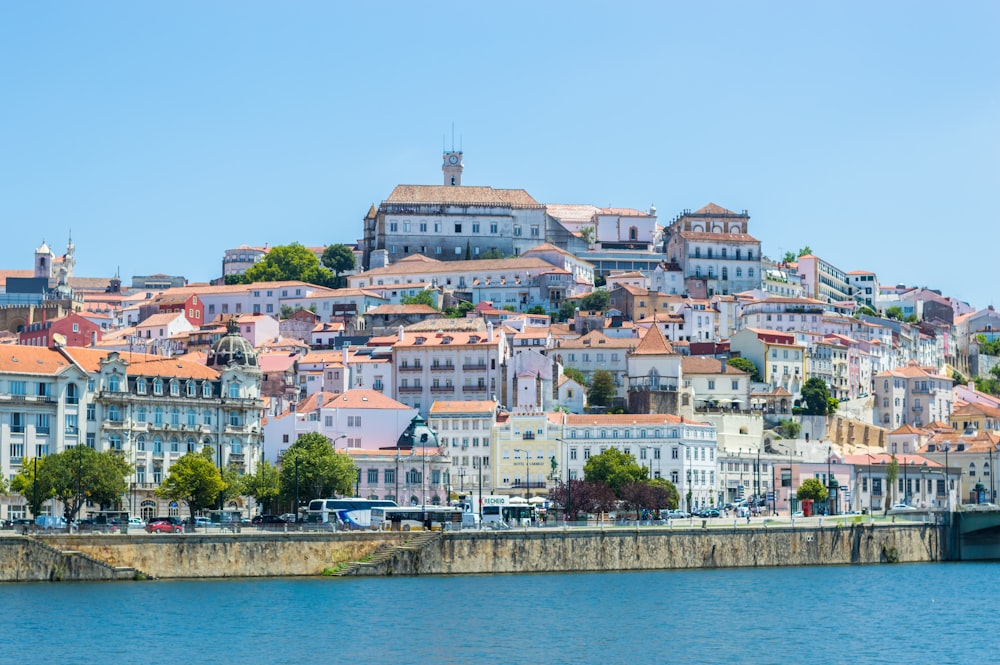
<point x="50" y="522"/>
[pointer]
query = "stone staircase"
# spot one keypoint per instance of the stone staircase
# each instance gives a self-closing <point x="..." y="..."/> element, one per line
<point x="55" y="564"/>
<point x="385" y="554"/>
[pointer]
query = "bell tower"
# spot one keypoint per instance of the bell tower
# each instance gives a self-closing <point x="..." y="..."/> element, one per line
<point x="452" y="168"/>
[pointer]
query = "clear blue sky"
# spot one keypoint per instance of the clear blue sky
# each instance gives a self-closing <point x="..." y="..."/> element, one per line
<point x="163" y="133"/>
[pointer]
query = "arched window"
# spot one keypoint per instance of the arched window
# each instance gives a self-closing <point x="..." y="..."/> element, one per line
<point x="739" y="272"/>
<point x="140" y="443"/>
<point x="206" y="389"/>
<point x="140" y="386"/>
<point x="191" y="389"/>
<point x="972" y="468"/>
<point x="114" y="383"/>
<point x="175" y="444"/>
<point x="140" y="414"/>
<point x="192" y="445"/>
<point x="633" y="233"/>
<point x="234" y="389"/>
<point x="750" y="272"/>
<point x="158" y="386"/>
<point x="157" y="445"/>
<point x="986" y="468"/>
<point x="175" y="388"/>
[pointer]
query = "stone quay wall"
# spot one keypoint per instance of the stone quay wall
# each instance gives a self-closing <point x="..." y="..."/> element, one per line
<point x="617" y="549"/>
<point x="465" y="552"/>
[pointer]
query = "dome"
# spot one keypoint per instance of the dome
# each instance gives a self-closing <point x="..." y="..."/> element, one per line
<point x="232" y="349"/>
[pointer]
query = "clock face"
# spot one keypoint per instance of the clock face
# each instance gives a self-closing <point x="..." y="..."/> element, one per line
<point x="453" y="159"/>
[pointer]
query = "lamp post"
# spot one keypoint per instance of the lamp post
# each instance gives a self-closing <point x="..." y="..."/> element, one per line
<point x="947" y="477"/>
<point x="480" y="464"/>
<point x="461" y="481"/>
<point x="296" y="487"/>
<point x="871" y="487"/>
<point x="396" y="478"/>
<point x="568" y="510"/>
<point x="527" y="491"/>
<point x="993" y="475"/>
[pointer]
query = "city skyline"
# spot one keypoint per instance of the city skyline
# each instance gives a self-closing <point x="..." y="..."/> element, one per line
<point x="161" y="137"/>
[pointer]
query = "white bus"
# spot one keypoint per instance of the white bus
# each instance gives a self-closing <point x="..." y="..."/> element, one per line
<point x="409" y="518"/>
<point x="500" y="510"/>
<point x="351" y="513"/>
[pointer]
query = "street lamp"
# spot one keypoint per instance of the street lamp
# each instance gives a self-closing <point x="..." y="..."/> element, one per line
<point x="527" y="490"/>
<point x="568" y="508"/>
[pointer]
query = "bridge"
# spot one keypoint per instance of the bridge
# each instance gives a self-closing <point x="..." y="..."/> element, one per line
<point x="976" y="535"/>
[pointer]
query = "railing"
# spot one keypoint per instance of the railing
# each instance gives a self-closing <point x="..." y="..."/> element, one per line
<point x="411" y="389"/>
<point x="442" y="389"/>
<point x="474" y="368"/>
<point x="411" y="368"/>
<point x="442" y="368"/>
<point x="474" y="389"/>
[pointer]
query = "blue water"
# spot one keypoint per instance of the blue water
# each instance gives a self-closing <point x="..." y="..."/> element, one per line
<point x="918" y="613"/>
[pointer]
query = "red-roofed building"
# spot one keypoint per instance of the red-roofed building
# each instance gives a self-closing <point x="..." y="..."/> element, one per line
<point x="72" y="329"/>
<point x="716" y="253"/>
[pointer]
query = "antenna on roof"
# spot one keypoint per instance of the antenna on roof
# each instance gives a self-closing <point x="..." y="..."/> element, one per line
<point x="453" y="137"/>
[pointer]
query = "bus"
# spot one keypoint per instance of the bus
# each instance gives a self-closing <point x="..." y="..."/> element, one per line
<point x="501" y="511"/>
<point x="409" y="518"/>
<point x="349" y="513"/>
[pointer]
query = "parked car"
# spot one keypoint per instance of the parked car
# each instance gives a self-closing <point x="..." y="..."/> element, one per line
<point x="136" y="524"/>
<point x="709" y="512"/>
<point x="173" y="519"/>
<point x="163" y="526"/>
<point x="202" y="522"/>
<point x="50" y="522"/>
<point x="901" y="508"/>
<point x="678" y="514"/>
<point x="268" y="520"/>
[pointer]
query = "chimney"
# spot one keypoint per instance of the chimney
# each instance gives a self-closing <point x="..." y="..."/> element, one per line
<point x="399" y="334"/>
<point x="93" y="338"/>
<point x="343" y="351"/>
<point x="489" y="331"/>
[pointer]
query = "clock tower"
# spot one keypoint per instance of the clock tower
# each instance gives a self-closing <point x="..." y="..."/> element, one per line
<point x="452" y="168"/>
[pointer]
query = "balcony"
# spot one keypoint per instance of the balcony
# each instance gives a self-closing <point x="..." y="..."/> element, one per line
<point x="442" y="389"/>
<point x="474" y="368"/>
<point x="443" y="368"/>
<point x="474" y="389"/>
<point x="236" y="458"/>
<point x="411" y="368"/>
<point x="411" y="389"/>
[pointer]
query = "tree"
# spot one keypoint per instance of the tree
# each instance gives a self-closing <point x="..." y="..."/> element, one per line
<point x="747" y="366"/>
<point x="459" y="311"/>
<point x="468" y="250"/>
<point x="790" y="428"/>
<point x="492" y="254"/>
<point x="614" y="468"/>
<point x="234" y="279"/>
<point x="32" y="483"/>
<point x="584" y="497"/>
<point x="424" y="297"/>
<point x="587" y="233"/>
<point x="290" y="262"/>
<point x="815" y="395"/>
<point x="595" y="301"/>
<point x="262" y="484"/>
<point x="576" y="375"/>
<point x="194" y="480"/>
<point x="81" y="474"/>
<point x="832" y="404"/>
<point x="812" y="488"/>
<point x="316" y="469"/>
<point x="602" y="388"/>
<point x="792" y="257"/>
<point x="865" y="310"/>
<point x="536" y="309"/>
<point x="891" y="475"/>
<point x="895" y="312"/>
<point x="339" y="259"/>
<point x="656" y="494"/>
<point x="567" y="309"/>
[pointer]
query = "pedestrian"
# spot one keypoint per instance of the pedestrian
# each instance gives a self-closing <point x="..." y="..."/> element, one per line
<point x="748" y="517"/>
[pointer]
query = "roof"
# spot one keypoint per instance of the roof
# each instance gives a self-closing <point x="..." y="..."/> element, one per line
<point x="276" y="362"/>
<point x="581" y="420"/>
<point x="360" y="398"/>
<point x="623" y="212"/>
<point x="728" y="237"/>
<point x="471" y="267"/>
<point x="707" y="365"/>
<point x="159" y="320"/>
<point x="141" y="364"/>
<point x="595" y="339"/>
<point x="653" y="344"/>
<point x="17" y="359"/>
<point x="399" y="310"/>
<point x="571" y="212"/>
<point x="462" y="407"/>
<point x="445" y="338"/>
<point x="713" y="209"/>
<point x="462" y="195"/>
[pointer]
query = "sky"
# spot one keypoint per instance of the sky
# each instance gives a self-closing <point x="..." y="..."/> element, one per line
<point x="161" y="134"/>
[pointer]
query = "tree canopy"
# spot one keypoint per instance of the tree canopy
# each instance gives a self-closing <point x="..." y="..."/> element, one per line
<point x="74" y="476"/>
<point x="338" y="258"/>
<point x="790" y="428"/>
<point x="602" y="388"/>
<point x="791" y="257"/>
<point x="424" y="297"/>
<point x="816" y="397"/>
<point x="615" y="468"/>
<point x="322" y="472"/>
<point x="812" y="488"/>
<point x="596" y="301"/>
<point x="290" y="262"/>
<point x="747" y="366"/>
<point x="262" y="484"/>
<point x="576" y="375"/>
<point x="194" y="480"/>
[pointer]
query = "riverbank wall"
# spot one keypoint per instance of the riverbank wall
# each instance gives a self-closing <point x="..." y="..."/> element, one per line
<point x="465" y="552"/>
<point x="577" y="550"/>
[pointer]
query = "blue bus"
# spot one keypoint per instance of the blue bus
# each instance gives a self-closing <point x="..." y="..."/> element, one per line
<point x="348" y="513"/>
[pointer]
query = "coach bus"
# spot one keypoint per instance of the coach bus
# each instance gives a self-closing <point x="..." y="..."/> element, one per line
<point x="409" y="518"/>
<point x="349" y="513"/>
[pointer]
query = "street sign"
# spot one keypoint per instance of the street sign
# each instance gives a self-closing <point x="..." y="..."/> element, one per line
<point x="770" y="496"/>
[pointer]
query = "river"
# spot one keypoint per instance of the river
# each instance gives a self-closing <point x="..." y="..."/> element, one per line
<point x="849" y="614"/>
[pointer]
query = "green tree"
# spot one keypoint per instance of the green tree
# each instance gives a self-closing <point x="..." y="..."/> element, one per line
<point x="81" y="474"/>
<point x="595" y="301"/>
<point x="566" y="310"/>
<point x="234" y="279"/>
<point x="290" y="262"/>
<point x="746" y="365"/>
<point x="812" y="488"/>
<point x="576" y="375"/>
<point x="790" y="428"/>
<point x="233" y="479"/>
<point x="894" y="312"/>
<point x="815" y="395"/>
<point x="614" y="468"/>
<point x="459" y="311"/>
<point x="194" y="480"/>
<point x="338" y="259"/>
<point x="792" y="257"/>
<point x="988" y="347"/>
<point x="424" y="297"/>
<point x="587" y="233"/>
<point x="492" y="254"/>
<point x="536" y="309"/>
<point x="322" y="472"/>
<point x="602" y="388"/>
<point x="468" y="250"/>
<point x="891" y="475"/>
<point x="263" y="484"/>
<point x="865" y="310"/>
<point x="832" y="404"/>
<point x="32" y="483"/>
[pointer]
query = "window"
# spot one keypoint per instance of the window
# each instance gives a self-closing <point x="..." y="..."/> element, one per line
<point x="372" y="476"/>
<point x="158" y="387"/>
<point x="234" y="418"/>
<point x="206" y="389"/>
<point x="234" y="390"/>
<point x="17" y="423"/>
<point x="114" y="383"/>
<point x="475" y="227"/>
<point x="72" y="423"/>
<point x="72" y="394"/>
<point x="493" y="228"/>
<point x="175" y="389"/>
<point x="458" y="227"/>
<point x="190" y="389"/>
<point x="140" y="443"/>
<point x="91" y="413"/>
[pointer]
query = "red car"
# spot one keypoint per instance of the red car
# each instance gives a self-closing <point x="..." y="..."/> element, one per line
<point x="163" y="526"/>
